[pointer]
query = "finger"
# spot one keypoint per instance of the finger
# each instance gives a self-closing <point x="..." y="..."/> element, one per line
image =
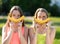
<point x="49" y="23"/>
<point x="20" y="24"/>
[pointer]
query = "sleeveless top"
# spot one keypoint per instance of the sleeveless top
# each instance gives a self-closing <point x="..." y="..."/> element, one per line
<point x="41" y="38"/>
<point x="15" y="37"/>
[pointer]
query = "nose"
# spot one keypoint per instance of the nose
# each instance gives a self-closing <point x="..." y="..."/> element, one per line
<point x="16" y="17"/>
<point x="41" y="18"/>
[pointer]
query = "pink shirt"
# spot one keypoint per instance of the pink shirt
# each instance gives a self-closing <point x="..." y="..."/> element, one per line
<point x="15" y="37"/>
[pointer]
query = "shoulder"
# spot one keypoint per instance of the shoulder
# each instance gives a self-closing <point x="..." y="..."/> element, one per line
<point x="32" y="30"/>
<point x="4" y="28"/>
<point x="25" y="27"/>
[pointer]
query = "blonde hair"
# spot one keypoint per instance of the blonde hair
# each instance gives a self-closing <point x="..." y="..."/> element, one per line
<point x="42" y="10"/>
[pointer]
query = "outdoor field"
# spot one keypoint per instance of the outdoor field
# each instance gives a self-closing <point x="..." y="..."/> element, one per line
<point x="28" y="22"/>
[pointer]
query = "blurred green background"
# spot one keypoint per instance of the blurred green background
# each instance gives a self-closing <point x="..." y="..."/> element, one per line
<point x="29" y="7"/>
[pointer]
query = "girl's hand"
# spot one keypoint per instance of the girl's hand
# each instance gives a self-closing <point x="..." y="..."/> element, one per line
<point x="20" y="29"/>
<point x="14" y="26"/>
<point x="19" y="26"/>
<point x="38" y="26"/>
<point x="48" y="27"/>
<point x="49" y="24"/>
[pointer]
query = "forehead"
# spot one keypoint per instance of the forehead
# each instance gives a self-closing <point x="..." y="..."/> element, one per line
<point x="41" y="13"/>
<point x="15" y="12"/>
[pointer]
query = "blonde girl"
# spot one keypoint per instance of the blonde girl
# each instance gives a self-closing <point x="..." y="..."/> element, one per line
<point x="41" y="32"/>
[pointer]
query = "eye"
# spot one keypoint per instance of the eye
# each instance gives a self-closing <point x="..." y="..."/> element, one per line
<point x="39" y="16"/>
<point x="19" y="15"/>
<point x="44" y="17"/>
<point x="13" y="15"/>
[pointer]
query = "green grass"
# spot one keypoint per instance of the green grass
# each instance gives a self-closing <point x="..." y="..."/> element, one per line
<point x="56" y="23"/>
<point x="0" y="40"/>
<point x="55" y="20"/>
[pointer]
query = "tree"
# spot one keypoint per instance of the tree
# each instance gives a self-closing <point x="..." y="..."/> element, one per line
<point x="5" y="5"/>
<point x="55" y="10"/>
<point x="26" y="5"/>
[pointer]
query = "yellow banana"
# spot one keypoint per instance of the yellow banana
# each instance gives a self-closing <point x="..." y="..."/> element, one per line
<point x="16" y="20"/>
<point x="41" y="21"/>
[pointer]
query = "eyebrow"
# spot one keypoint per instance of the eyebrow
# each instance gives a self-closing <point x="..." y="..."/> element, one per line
<point x="43" y="16"/>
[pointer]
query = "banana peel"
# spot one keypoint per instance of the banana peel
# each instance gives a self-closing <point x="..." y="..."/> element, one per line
<point x="16" y="20"/>
<point x="41" y="21"/>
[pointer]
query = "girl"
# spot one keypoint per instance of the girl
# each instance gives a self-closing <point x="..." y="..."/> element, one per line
<point x="15" y="31"/>
<point x="41" y="32"/>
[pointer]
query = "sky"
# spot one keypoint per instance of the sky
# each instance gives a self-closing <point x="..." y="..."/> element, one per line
<point x="57" y="2"/>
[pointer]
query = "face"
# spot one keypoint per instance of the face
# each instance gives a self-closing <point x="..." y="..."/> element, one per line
<point x="16" y="14"/>
<point x="41" y="15"/>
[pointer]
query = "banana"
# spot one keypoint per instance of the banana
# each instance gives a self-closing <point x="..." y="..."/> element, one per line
<point x="16" y="20"/>
<point x="41" y="21"/>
